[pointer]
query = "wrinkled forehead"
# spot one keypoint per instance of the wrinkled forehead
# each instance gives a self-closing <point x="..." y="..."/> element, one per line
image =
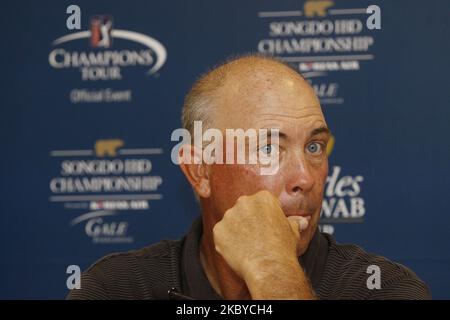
<point x="267" y="100"/>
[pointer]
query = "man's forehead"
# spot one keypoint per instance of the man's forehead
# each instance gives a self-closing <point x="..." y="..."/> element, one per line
<point x="273" y="117"/>
<point x="287" y="113"/>
<point x="294" y="129"/>
<point x="262" y="104"/>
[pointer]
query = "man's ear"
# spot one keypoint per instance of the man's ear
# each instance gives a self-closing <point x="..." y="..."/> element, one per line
<point x="195" y="170"/>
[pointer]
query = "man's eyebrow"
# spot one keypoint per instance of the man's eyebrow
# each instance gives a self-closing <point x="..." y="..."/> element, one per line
<point x="281" y="135"/>
<point x="316" y="131"/>
<point x="319" y="131"/>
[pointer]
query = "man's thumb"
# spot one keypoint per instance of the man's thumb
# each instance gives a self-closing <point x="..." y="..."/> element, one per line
<point x="298" y="223"/>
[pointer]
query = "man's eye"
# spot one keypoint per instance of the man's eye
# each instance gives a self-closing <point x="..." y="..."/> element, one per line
<point x="267" y="149"/>
<point x="314" y="148"/>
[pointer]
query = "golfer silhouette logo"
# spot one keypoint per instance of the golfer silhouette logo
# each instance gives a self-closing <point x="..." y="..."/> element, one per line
<point x="101" y="27"/>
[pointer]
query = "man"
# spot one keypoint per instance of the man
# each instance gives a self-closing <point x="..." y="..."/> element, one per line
<point x="257" y="237"/>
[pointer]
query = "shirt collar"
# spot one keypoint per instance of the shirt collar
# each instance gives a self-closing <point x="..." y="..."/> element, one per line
<point x="314" y="259"/>
<point x="195" y="282"/>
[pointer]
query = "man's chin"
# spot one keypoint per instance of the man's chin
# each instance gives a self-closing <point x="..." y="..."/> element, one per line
<point x="305" y="238"/>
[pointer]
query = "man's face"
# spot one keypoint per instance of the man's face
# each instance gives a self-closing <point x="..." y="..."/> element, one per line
<point x="288" y="104"/>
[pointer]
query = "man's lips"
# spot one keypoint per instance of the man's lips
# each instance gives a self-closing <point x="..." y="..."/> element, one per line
<point x="303" y="214"/>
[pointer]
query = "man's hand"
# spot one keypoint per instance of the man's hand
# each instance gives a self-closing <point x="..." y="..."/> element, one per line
<point x="260" y="244"/>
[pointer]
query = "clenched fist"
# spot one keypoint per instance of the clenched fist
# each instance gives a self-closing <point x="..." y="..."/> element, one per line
<point x="260" y="244"/>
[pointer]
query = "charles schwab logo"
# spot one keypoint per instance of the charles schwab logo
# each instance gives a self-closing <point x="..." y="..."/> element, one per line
<point x="343" y="201"/>
<point x="102" y="61"/>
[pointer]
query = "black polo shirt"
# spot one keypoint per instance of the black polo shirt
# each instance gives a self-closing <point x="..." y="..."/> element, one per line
<point x="336" y="271"/>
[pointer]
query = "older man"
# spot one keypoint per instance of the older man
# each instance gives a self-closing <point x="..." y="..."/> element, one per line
<point x="257" y="237"/>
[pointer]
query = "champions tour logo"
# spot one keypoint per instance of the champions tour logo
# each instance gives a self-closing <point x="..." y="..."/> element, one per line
<point x="107" y="64"/>
<point x="102" y="54"/>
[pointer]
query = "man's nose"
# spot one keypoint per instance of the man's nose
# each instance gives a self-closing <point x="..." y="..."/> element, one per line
<point x="299" y="177"/>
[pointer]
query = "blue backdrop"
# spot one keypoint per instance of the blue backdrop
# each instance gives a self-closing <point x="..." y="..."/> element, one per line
<point x="86" y="119"/>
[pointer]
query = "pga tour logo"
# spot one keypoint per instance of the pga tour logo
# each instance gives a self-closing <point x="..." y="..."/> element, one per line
<point x="103" y="62"/>
<point x="101" y="27"/>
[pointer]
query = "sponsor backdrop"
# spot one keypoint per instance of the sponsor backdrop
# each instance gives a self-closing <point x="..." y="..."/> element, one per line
<point x="87" y="116"/>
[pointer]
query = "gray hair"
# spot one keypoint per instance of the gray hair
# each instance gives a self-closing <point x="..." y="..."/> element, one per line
<point x="199" y="102"/>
